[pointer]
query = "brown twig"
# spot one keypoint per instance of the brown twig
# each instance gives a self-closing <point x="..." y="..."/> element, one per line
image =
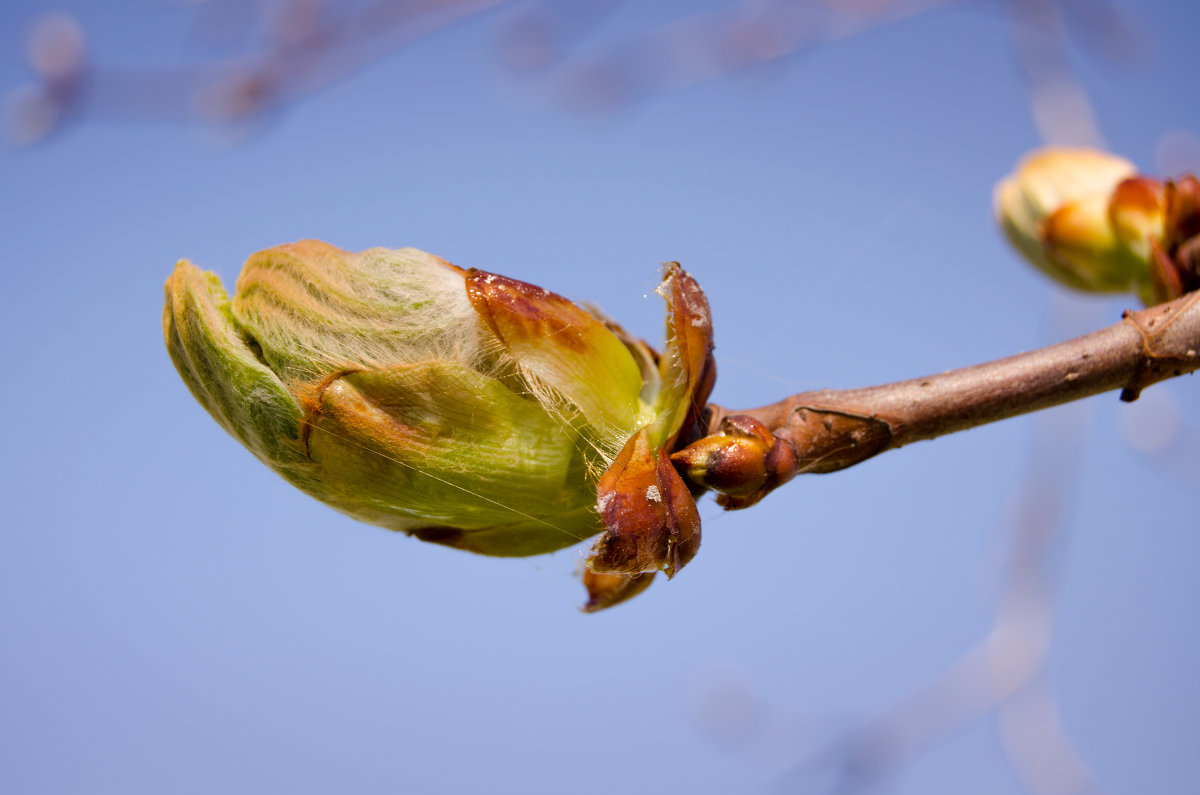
<point x="827" y="430"/>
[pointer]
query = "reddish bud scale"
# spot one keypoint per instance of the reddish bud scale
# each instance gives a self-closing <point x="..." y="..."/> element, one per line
<point x="651" y="519"/>
<point x="606" y="590"/>
<point x="647" y="509"/>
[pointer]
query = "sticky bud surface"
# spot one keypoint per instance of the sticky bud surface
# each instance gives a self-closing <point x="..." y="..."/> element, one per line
<point x="461" y="407"/>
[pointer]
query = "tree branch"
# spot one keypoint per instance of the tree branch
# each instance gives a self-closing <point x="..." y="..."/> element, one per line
<point x="828" y="430"/>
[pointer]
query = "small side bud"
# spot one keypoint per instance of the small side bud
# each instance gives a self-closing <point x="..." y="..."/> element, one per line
<point x="743" y="462"/>
<point x="732" y="461"/>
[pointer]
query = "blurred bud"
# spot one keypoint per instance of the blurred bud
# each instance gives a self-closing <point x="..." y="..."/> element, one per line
<point x="1083" y="217"/>
<point x="460" y="407"/>
<point x="56" y="51"/>
<point x="56" y="48"/>
<point x="1135" y="211"/>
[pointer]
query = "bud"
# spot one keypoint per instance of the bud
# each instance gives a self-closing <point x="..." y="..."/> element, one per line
<point x="1084" y="218"/>
<point x="649" y="513"/>
<point x="732" y="461"/>
<point x="743" y="461"/>
<point x="457" y="406"/>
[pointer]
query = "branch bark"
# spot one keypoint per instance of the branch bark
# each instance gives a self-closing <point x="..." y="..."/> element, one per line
<point x="828" y="430"/>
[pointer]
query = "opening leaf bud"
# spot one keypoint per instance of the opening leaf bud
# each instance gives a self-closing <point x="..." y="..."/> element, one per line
<point x="460" y="407"/>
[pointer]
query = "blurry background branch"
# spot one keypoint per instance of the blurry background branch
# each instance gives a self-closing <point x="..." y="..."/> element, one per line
<point x="271" y="53"/>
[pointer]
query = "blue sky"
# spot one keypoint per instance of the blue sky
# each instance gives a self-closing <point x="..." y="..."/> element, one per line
<point x="178" y="619"/>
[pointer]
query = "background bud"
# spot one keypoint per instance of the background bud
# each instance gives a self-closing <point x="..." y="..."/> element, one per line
<point x="1083" y="217"/>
